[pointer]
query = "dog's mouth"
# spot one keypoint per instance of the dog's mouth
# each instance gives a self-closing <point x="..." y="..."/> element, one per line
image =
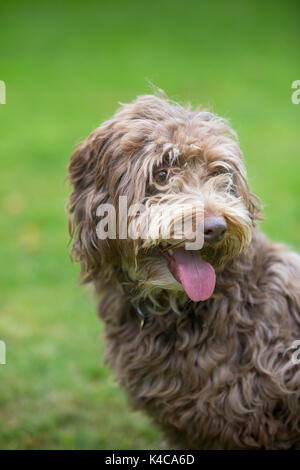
<point x="197" y="276"/>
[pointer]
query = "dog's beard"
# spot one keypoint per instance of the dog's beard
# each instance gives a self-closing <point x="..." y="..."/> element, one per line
<point x="165" y="265"/>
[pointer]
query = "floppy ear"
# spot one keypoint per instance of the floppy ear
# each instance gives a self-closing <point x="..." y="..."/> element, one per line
<point x="256" y="208"/>
<point x="88" y="175"/>
<point x="252" y="201"/>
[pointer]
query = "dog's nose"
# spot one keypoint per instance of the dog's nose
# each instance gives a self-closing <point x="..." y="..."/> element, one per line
<point x="214" y="229"/>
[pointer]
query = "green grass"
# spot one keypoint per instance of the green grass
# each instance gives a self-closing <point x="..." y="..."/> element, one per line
<point x="66" y="66"/>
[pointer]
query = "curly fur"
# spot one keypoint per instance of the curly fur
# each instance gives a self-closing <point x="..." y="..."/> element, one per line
<point x="214" y="374"/>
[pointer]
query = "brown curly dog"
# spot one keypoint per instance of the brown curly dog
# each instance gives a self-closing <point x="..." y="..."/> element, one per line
<point x="202" y="339"/>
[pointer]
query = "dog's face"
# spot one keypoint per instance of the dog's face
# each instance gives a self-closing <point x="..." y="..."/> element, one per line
<point x="181" y="205"/>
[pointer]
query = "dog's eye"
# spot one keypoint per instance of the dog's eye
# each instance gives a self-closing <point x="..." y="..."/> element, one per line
<point x="161" y="175"/>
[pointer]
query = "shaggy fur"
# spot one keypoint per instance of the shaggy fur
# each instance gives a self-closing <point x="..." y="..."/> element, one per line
<point x="214" y="374"/>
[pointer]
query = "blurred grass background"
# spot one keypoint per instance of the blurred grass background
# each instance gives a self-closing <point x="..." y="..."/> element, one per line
<point x="66" y="66"/>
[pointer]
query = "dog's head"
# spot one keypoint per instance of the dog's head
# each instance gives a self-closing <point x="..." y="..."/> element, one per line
<point x="160" y="200"/>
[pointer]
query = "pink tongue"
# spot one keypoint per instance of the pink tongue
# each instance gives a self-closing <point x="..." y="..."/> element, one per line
<point x="197" y="277"/>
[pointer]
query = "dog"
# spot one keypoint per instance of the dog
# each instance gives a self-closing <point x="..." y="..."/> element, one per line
<point x="201" y="339"/>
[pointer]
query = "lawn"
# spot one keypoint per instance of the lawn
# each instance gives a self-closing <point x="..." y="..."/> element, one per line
<point x="66" y="66"/>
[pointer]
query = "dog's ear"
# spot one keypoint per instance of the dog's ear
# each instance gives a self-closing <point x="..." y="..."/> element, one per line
<point x="87" y="175"/>
<point x="255" y="208"/>
<point x="254" y="205"/>
<point x="252" y="201"/>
